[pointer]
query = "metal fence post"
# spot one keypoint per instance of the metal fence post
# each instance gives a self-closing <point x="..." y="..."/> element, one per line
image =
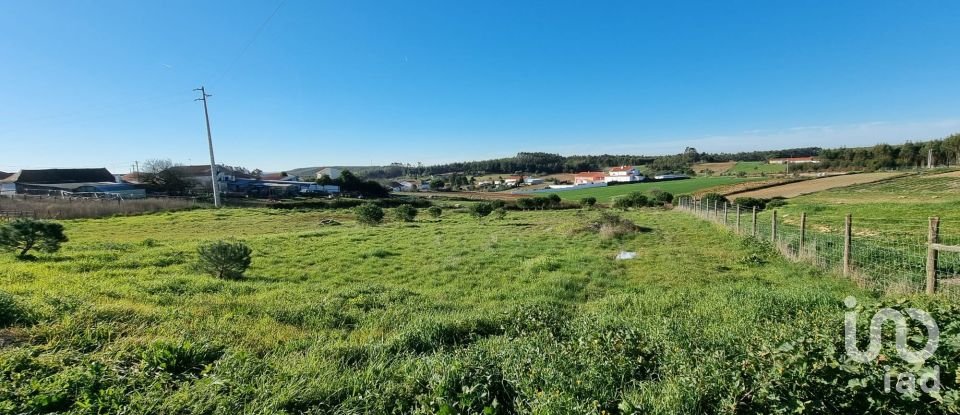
<point x="933" y="237"/>
<point x="847" y="242"/>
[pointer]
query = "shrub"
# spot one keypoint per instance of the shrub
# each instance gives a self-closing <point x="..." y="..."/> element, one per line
<point x="182" y="358"/>
<point x="711" y="197"/>
<point x="612" y="226"/>
<point x="479" y="210"/>
<point x="499" y="213"/>
<point x="525" y="203"/>
<point x="369" y="214"/>
<point x="405" y="213"/>
<point x="776" y="202"/>
<point x="750" y="203"/>
<point x="660" y="197"/>
<point x="554" y="200"/>
<point x="11" y="311"/>
<point x="434" y="211"/>
<point x="497" y="204"/>
<point x="588" y="202"/>
<point x="224" y="259"/>
<point x="631" y="200"/>
<point x="22" y="235"/>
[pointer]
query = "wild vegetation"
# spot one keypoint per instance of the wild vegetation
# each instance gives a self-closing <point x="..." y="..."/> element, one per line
<point x="528" y="314"/>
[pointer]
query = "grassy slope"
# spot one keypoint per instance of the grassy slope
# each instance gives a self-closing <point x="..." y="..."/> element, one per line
<point x="605" y="194"/>
<point x="405" y="317"/>
<point x="757" y="167"/>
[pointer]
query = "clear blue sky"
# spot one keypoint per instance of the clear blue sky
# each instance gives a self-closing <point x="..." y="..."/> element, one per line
<point x="104" y="83"/>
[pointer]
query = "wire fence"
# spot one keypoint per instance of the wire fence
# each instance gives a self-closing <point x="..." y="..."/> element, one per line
<point x="920" y="262"/>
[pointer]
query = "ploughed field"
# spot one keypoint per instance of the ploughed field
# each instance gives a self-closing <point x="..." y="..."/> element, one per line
<point x="529" y="314"/>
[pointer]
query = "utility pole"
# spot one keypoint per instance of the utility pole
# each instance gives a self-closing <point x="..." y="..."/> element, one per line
<point x="213" y="163"/>
<point x="137" y="169"/>
<point x="930" y="158"/>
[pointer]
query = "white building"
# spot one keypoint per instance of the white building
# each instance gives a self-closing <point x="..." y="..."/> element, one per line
<point x="623" y="174"/>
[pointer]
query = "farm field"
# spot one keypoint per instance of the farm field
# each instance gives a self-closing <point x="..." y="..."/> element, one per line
<point x="815" y="185"/>
<point x="606" y="194"/>
<point x="715" y="168"/>
<point x="530" y="314"/>
<point x="891" y="208"/>
<point x="757" y="168"/>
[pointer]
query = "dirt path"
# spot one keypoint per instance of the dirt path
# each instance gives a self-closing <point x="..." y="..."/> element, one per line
<point x="815" y="185"/>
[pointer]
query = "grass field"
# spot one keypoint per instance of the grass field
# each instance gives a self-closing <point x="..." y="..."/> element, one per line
<point x="530" y="314"/>
<point x="606" y="194"/>
<point x="757" y="168"/>
<point x="713" y="168"/>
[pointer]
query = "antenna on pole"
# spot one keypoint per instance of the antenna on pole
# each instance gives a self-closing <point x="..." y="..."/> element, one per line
<point x="213" y="163"/>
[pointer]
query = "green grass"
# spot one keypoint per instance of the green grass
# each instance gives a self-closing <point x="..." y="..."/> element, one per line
<point x="757" y="168"/>
<point x="677" y="187"/>
<point x="530" y="314"/>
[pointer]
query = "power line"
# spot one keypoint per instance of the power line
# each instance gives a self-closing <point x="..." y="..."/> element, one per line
<point x="249" y="43"/>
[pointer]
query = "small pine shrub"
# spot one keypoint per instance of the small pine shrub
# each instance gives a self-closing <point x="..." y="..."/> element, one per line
<point x="369" y="214"/>
<point x="223" y="259"/>
<point x="405" y="213"/>
<point x="499" y="213"/>
<point x="776" y="202"/>
<point x="588" y="202"/>
<point x="659" y="197"/>
<point x="24" y="235"/>
<point x="435" y="211"/>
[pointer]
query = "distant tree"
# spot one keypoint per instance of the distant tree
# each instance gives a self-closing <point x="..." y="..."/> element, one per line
<point x="405" y="213"/>
<point x="324" y="180"/>
<point x="588" y="202"/>
<point x="436" y="184"/>
<point x="222" y="259"/>
<point x="257" y="173"/>
<point x="369" y="214"/>
<point x="22" y="235"/>
<point x="161" y="176"/>
<point x="952" y="145"/>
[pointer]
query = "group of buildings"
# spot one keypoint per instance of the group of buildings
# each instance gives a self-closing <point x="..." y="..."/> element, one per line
<point x="619" y="174"/>
<point x="100" y="183"/>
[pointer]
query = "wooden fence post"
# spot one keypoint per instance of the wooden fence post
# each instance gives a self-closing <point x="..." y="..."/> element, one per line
<point x="803" y="233"/>
<point x="773" y="228"/>
<point x="724" y="213"/>
<point x="847" y="242"/>
<point x="933" y="237"/>
<point x="754" y="221"/>
<point x="738" y="219"/>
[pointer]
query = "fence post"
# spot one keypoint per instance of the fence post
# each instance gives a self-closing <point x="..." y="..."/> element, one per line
<point x="716" y="210"/>
<point x="933" y="236"/>
<point x="847" y="242"/>
<point x="738" y="219"/>
<point x="803" y="233"/>
<point x="724" y="213"/>
<point x="754" y="221"/>
<point x="773" y="228"/>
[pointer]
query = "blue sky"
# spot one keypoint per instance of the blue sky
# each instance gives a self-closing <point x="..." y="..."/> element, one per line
<point x="105" y="83"/>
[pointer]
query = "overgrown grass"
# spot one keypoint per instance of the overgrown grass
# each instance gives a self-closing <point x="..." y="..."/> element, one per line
<point x="523" y="315"/>
<point x="54" y="208"/>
